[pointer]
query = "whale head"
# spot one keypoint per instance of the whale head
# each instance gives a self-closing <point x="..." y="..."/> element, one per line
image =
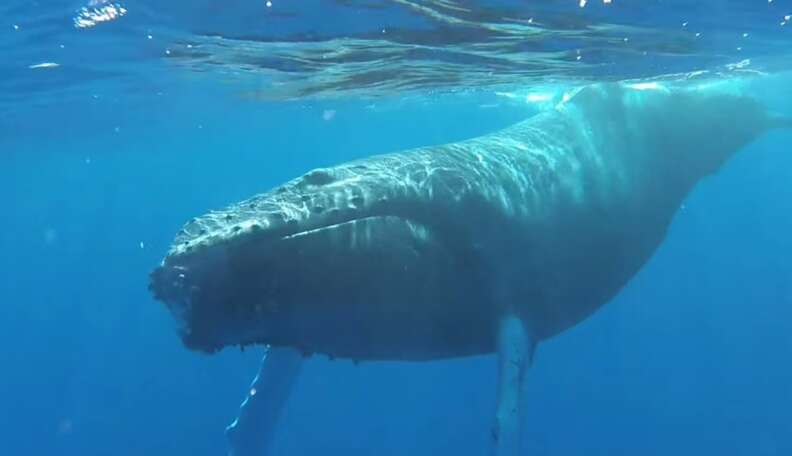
<point x="335" y="249"/>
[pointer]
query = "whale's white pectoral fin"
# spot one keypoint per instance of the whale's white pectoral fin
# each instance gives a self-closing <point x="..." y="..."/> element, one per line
<point x="251" y="431"/>
<point x="515" y="352"/>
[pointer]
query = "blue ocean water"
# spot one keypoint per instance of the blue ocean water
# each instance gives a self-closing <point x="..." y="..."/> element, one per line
<point x="109" y="143"/>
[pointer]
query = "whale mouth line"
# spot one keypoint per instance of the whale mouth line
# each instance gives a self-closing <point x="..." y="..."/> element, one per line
<point x="347" y="223"/>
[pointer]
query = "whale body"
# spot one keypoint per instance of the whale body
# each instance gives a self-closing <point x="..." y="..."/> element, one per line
<point x="491" y="244"/>
<point x="413" y="255"/>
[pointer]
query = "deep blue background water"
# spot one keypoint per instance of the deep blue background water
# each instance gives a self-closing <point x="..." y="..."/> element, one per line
<point x="691" y="358"/>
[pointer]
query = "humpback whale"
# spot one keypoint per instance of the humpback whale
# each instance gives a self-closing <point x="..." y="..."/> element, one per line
<point x="487" y="245"/>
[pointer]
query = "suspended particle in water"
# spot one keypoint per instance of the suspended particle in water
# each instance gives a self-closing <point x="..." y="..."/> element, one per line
<point x="142" y="245"/>
<point x="269" y="4"/>
<point x="44" y="65"/>
<point x="16" y="27"/>
<point x="65" y="427"/>
<point x="328" y="114"/>
<point x="253" y="391"/>
<point x="50" y="236"/>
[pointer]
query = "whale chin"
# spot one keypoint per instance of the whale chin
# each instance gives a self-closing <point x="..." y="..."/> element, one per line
<point x="345" y="289"/>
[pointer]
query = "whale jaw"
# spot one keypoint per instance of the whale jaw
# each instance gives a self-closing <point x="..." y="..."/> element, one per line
<point x="347" y="290"/>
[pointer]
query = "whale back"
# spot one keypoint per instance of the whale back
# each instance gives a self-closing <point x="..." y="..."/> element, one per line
<point x="630" y="157"/>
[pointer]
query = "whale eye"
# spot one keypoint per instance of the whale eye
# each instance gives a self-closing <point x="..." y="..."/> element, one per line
<point x="357" y="201"/>
<point x="318" y="177"/>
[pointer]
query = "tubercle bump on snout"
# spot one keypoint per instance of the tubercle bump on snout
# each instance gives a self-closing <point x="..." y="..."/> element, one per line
<point x="171" y="285"/>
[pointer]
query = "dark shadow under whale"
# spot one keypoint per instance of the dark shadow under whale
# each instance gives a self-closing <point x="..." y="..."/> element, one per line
<point x="486" y="245"/>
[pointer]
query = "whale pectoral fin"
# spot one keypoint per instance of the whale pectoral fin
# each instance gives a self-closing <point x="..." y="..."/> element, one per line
<point x="515" y="352"/>
<point x="253" y="428"/>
